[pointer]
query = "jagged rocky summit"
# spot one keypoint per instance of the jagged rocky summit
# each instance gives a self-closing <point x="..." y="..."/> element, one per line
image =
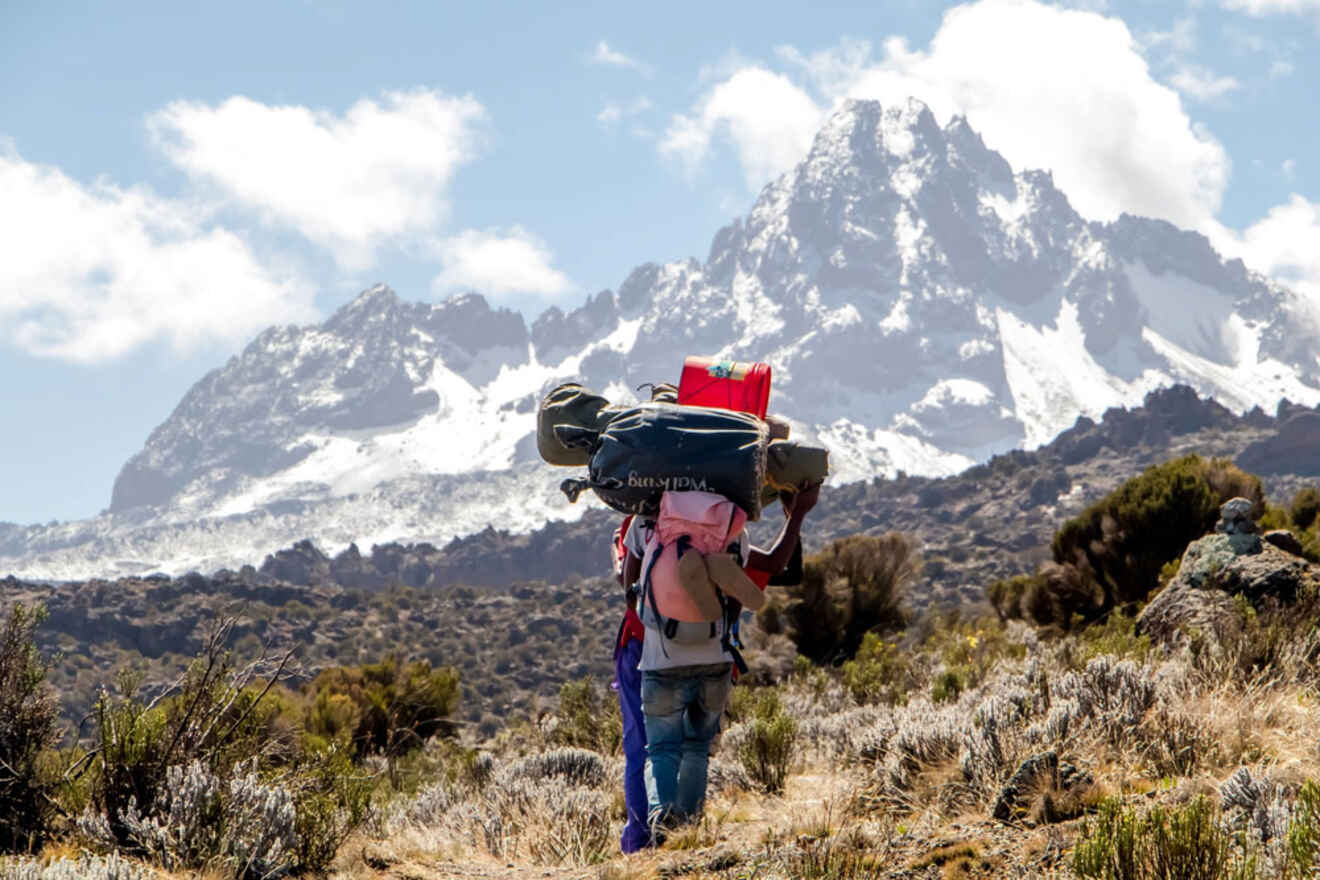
<point x="923" y="305"/>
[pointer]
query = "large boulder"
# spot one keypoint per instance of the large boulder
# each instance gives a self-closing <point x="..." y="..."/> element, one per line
<point x="1212" y="572"/>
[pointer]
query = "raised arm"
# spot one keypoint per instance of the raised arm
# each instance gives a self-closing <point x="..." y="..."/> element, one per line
<point x="775" y="559"/>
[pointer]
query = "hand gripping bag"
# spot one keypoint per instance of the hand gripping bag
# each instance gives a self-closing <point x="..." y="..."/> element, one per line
<point x="657" y="447"/>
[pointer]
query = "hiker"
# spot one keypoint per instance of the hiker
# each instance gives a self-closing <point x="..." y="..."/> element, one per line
<point x="628" y="683"/>
<point x="685" y="684"/>
<point x="627" y="677"/>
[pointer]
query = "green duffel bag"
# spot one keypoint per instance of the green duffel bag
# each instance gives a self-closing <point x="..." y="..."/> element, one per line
<point x="570" y="404"/>
<point x="789" y="464"/>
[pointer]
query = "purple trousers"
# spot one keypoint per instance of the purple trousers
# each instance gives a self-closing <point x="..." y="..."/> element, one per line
<point x="628" y="682"/>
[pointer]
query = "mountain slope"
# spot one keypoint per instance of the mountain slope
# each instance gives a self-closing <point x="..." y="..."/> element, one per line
<point x="923" y="306"/>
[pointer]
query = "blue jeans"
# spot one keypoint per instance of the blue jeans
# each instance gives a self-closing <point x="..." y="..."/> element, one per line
<point x="682" y="708"/>
<point x="628" y="680"/>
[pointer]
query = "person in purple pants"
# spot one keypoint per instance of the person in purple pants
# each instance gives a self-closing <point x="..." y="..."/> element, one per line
<point x="628" y="682"/>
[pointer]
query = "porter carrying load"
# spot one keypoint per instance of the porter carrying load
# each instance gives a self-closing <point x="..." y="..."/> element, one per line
<point x="711" y="433"/>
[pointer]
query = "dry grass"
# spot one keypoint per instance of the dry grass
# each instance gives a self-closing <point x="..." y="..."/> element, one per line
<point x="899" y="789"/>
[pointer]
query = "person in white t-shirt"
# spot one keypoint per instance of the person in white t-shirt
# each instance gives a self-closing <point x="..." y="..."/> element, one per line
<point x="685" y="686"/>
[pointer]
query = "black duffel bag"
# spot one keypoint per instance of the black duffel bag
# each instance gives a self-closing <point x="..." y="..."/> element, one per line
<point x="649" y="449"/>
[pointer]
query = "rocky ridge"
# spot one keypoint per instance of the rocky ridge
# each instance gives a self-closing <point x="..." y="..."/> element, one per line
<point x="520" y="613"/>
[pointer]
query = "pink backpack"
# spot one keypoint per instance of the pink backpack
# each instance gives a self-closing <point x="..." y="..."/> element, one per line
<point x="700" y="521"/>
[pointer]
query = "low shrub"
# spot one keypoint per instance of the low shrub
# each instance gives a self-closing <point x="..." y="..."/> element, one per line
<point x="1116" y="635"/>
<point x="1115" y="552"/>
<point x="1302" y="842"/>
<point x="388" y="708"/>
<point x="1179" y="843"/>
<point x="587" y="718"/>
<point x="948" y="686"/>
<point x="766" y="741"/>
<point x="28" y="729"/>
<point x="880" y="673"/>
<point x="332" y="798"/>
<point x="86" y="867"/>
<point x="1305" y="508"/>
<point x="215" y="714"/>
<point x="855" y="585"/>
<point x="967" y="648"/>
<point x="247" y="826"/>
<point x="569" y="766"/>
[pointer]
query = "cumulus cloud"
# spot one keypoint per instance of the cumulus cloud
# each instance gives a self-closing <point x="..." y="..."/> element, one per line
<point x="769" y="119"/>
<point x="1285" y="245"/>
<point x="1067" y="91"/>
<point x="499" y="263"/>
<point x="92" y="272"/>
<point x="1049" y="87"/>
<point x="603" y="54"/>
<point x="378" y="174"/>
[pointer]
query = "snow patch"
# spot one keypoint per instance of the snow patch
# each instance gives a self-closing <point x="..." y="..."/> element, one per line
<point x="1239" y="387"/>
<point x="1193" y="316"/>
<point x="860" y="453"/>
<point x="1054" y="379"/>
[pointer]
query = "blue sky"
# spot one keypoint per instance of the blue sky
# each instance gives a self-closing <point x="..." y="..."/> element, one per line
<point x="174" y="179"/>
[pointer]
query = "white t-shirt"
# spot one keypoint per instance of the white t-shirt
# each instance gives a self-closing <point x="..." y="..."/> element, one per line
<point x="672" y="654"/>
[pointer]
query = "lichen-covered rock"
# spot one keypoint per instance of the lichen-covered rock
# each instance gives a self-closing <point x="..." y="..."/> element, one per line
<point x="1213" y="570"/>
<point x="1204" y="557"/>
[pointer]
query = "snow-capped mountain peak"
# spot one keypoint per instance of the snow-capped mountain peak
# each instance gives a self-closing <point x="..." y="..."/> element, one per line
<point x="922" y="304"/>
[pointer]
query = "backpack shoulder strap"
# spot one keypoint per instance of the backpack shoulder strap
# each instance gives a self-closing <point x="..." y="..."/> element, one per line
<point x="648" y="594"/>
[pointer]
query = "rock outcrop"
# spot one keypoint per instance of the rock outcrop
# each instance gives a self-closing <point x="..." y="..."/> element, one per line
<point x="1234" y="561"/>
<point x="1294" y="448"/>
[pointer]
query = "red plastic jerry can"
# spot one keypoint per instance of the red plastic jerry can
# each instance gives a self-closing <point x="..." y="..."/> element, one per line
<point x="742" y="387"/>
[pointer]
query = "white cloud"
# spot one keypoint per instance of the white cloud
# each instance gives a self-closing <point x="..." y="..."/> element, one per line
<point x="498" y="263"/>
<point x="1289" y="168"/>
<point x="378" y="174"/>
<point x="1201" y="84"/>
<point x="603" y="54"/>
<point x="1048" y="87"/>
<point x="92" y="272"/>
<point x="613" y="112"/>
<point x="1270" y="7"/>
<point x="1285" y="245"/>
<point x="769" y="119"/>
